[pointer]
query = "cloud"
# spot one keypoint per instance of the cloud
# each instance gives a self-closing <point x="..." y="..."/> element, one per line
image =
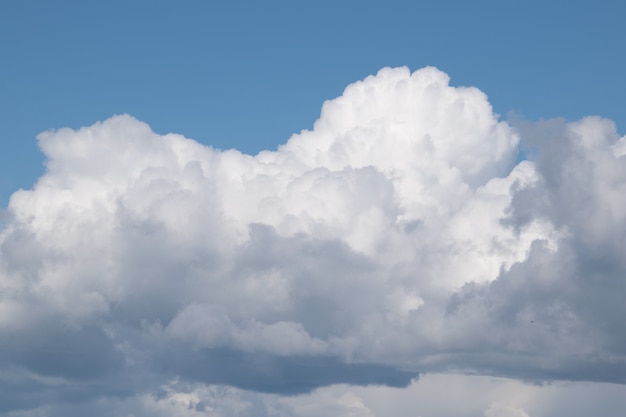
<point x="502" y="410"/>
<point x="432" y="395"/>
<point x="401" y="235"/>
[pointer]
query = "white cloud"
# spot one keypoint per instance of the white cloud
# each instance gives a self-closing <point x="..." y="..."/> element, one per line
<point x="398" y="236"/>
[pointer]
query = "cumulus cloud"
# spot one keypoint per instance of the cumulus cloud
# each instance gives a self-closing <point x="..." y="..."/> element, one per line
<point x="402" y="234"/>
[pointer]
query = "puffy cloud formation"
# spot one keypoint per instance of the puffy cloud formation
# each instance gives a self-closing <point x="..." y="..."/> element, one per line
<point x="403" y="234"/>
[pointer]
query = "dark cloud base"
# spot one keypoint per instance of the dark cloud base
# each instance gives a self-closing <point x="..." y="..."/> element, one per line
<point x="281" y="375"/>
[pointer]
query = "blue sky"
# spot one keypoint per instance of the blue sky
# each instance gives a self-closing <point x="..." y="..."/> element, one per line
<point x="337" y="226"/>
<point x="247" y="75"/>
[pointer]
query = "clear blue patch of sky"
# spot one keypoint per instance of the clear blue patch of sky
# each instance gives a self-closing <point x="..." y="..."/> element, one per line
<point x="248" y="74"/>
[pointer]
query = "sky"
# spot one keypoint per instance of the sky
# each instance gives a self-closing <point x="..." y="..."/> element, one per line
<point x="312" y="208"/>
